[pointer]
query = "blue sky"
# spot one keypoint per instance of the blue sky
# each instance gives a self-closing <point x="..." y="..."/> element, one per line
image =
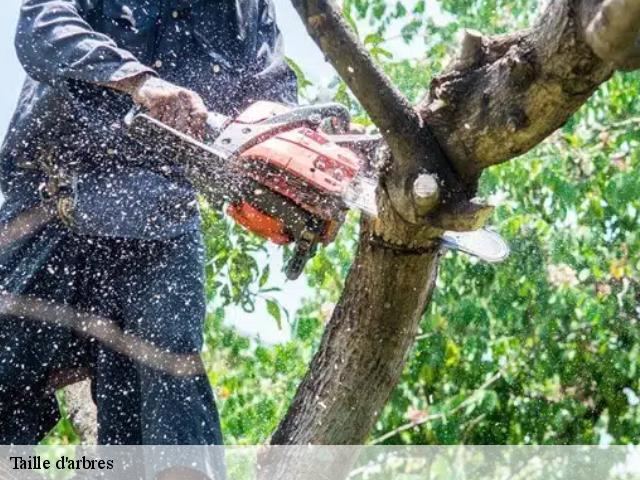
<point x="13" y="75"/>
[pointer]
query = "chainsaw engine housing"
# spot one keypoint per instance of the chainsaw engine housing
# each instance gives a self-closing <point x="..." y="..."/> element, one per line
<point x="297" y="178"/>
<point x="280" y="176"/>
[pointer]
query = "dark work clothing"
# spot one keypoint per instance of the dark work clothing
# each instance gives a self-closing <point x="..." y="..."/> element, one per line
<point x="152" y="290"/>
<point x="135" y="258"/>
<point x="230" y="52"/>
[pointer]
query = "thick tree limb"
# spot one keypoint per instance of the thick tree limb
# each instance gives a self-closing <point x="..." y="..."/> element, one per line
<point x="363" y="349"/>
<point x="613" y="32"/>
<point x="506" y="94"/>
<point x="387" y="107"/>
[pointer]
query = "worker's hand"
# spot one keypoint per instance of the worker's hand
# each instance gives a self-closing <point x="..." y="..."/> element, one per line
<point x="174" y="106"/>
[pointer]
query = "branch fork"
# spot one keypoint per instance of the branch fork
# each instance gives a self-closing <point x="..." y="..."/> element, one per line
<point x="509" y="93"/>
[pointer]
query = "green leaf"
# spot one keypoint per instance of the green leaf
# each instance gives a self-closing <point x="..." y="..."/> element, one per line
<point x="373" y="39"/>
<point x="346" y="12"/>
<point x="303" y="81"/>
<point x="273" y="308"/>
<point x="264" y="278"/>
<point x="378" y="52"/>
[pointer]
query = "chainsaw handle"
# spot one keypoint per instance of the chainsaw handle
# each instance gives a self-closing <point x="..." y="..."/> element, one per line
<point x="313" y="114"/>
<point x="132" y="114"/>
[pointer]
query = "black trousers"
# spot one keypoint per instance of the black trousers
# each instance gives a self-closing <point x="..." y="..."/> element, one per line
<point x="130" y="311"/>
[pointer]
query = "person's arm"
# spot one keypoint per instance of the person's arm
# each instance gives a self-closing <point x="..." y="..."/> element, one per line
<point x="55" y="43"/>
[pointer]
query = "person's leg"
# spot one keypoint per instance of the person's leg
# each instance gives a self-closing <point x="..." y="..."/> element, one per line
<point x="36" y="273"/>
<point x="114" y="384"/>
<point x="161" y="395"/>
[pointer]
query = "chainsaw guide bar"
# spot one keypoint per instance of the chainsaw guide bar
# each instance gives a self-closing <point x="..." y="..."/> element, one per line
<point x="284" y="179"/>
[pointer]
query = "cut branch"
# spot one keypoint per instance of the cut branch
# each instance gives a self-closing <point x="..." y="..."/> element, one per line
<point x="516" y="89"/>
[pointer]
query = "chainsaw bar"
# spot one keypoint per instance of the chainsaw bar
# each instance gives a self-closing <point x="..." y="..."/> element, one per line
<point x="203" y="162"/>
<point x="485" y="244"/>
<point x="361" y="195"/>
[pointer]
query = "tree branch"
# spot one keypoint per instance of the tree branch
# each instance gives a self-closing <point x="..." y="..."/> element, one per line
<point x="387" y="107"/>
<point x="414" y="149"/>
<point x="613" y="32"/>
<point x="506" y="94"/>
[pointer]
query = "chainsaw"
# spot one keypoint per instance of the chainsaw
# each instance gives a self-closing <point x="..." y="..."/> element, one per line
<point x="283" y="177"/>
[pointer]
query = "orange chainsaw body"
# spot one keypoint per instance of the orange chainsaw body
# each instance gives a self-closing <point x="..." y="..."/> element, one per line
<point x="301" y="165"/>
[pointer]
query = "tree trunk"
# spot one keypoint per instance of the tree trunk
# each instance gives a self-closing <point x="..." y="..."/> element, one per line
<point x="364" y="347"/>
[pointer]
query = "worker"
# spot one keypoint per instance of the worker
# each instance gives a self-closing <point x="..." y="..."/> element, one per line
<point x="101" y="256"/>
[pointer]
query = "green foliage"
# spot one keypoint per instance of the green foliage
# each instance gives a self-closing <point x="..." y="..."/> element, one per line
<point x="253" y="382"/>
<point x="233" y="274"/>
<point x="559" y="320"/>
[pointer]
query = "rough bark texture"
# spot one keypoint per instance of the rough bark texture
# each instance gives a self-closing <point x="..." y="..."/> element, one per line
<point x="612" y="29"/>
<point x="508" y="93"/>
<point x="363" y="348"/>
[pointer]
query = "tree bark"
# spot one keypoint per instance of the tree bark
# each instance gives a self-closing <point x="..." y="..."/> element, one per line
<point x="82" y="411"/>
<point x="364" y="346"/>
<point x="506" y="94"/>
<point x="502" y="96"/>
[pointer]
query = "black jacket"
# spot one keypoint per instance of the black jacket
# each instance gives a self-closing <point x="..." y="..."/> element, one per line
<point x="228" y="51"/>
